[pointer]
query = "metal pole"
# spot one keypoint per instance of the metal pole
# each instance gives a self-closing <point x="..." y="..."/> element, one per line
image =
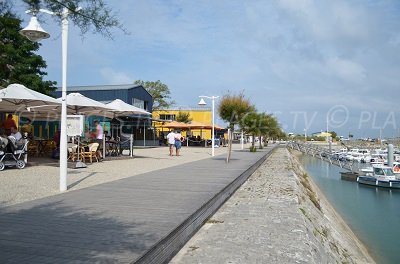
<point x="229" y="137"/>
<point x="131" y="145"/>
<point x="242" y="141"/>
<point x="327" y="122"/>
<point x="104" y="146"/>
<point x="212" y="138"/>
<point x="144" y="133"/>
<point x="26" y="142"/>
<point x="390" y="155"/>
<point x="63" y="135"/>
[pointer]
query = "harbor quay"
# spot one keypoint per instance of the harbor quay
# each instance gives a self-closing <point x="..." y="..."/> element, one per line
<point x="147" y="213"/>
<point x="272" y="218"/>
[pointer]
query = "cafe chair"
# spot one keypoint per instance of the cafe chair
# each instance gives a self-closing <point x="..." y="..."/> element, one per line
<point x="33" y="148"/>
<point x="91" y="152"/>
<point x="72" y="151"/>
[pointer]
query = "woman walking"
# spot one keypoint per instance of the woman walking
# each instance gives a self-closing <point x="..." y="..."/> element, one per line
<point x="178" y="142"/>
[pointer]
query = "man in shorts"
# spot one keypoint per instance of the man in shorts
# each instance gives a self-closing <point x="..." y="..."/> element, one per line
<point x="171" y="142"/>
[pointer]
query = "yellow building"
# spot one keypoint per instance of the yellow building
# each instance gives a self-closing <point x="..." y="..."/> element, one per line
<point x="198" y="114"/>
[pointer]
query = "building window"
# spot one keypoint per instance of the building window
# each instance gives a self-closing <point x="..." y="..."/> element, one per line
<point x="167" y="117"/>
<point x="138" y="103"/>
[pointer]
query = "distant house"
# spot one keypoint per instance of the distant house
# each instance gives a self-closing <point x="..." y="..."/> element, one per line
<point x="196" y="114"/>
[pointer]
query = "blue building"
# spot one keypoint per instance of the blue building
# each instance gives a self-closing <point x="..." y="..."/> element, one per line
<point x="139" y="126"/>
<point x="129" y="93"/>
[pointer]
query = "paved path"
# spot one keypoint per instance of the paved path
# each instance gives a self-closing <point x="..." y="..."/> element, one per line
<point x="114" y="222"/>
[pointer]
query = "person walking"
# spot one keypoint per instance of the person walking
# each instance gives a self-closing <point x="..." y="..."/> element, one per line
<point x="99" y="138"/>
<point x="171" y="142"/>
<point x="178" y="142"/>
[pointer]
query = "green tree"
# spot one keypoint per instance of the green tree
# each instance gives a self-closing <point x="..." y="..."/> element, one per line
<point x="261" y="125"/>
<point x="18" y="62"/>
<point x="266" y="124"/>
<point x="251" y="124"/>
<point x="160" y="93"/>
<point x="232" y="108"/>
<point x="333" y="134"/>
<point x="94" y="15"/>
<point x="183" y="117"/>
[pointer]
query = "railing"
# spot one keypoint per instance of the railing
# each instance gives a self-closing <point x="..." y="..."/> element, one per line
<point x="323" y="154"/>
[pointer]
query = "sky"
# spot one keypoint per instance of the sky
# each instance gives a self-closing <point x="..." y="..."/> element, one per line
<point x="314" y="64"/>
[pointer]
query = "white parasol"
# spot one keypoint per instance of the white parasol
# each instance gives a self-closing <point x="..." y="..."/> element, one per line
<point x="17" y="98"/>
<point x="123" y="109"/>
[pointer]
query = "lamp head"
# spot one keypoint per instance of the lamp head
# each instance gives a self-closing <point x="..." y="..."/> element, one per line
<point x="34" y="32"/>
<point x="202" y="102"/>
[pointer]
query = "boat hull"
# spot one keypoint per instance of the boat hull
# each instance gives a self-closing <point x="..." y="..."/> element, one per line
<point x="349" y="175"/>
<point x="372" y="181"/>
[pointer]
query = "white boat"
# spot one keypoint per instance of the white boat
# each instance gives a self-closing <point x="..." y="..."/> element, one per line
<point x="380" y="176"/>
<point x="378" y="158"/>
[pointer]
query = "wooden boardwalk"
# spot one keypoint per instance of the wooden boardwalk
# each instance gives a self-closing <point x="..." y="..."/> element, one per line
<point x="142" y="219"/>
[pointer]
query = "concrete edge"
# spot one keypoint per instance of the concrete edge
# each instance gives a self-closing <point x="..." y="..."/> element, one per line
<point x="166" y="248"/>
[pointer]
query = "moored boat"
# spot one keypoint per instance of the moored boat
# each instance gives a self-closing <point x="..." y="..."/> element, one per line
<point x="381" y="176"/>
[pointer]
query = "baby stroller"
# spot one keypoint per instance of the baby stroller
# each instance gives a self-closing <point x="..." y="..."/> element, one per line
<point x="11" y="153"/>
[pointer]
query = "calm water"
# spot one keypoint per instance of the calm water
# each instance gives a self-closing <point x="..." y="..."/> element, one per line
<point x="372" y="213"/>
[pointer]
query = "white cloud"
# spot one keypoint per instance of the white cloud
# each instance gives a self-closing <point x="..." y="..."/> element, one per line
<point x="114" y="77"/>
<point x="346" y="70"/>
<point x="277" y="51"/>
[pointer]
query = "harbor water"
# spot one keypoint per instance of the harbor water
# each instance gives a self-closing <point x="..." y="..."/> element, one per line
<point x="372" y="213"/>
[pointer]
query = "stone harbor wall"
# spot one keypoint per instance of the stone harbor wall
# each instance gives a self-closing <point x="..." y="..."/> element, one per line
<point x="277" y="216"/>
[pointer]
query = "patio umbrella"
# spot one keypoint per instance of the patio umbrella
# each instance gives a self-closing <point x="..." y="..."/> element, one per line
<point x="176" y="125"/>
<point x="122" y="109"/>
<point x="17" y="98"/>
<point x="80" y="104"/>
<point x="76" y="104"/>
<point x="198" y="125"/>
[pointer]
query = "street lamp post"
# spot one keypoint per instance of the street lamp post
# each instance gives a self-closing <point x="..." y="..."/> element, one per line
<point x="34" y="32"/>
<point x="202" y="102"/>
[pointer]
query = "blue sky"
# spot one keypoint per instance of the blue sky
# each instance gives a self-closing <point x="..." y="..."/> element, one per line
<point x="304" y="61"/>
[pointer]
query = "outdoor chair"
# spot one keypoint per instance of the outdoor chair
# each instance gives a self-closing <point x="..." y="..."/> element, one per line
<point x="91" y="152"/>
<point x="50" y="146"/>
<point x="72" y="151"/>
<point x="33" y="148"/>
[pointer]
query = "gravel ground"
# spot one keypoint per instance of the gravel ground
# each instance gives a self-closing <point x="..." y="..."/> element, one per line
<point x="271" y="219"/>
<point x="35" y="182"/>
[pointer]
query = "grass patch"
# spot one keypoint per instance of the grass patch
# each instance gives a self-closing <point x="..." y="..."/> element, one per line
<point x="310" y="192"/>
<point x="193" y="248"/>
<point x="334" y="247"/>
<point x="325" y="232"/>
<point x="305" y="214"/>
<point x="253" y="149"/>
<point x="213" y="221"/>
